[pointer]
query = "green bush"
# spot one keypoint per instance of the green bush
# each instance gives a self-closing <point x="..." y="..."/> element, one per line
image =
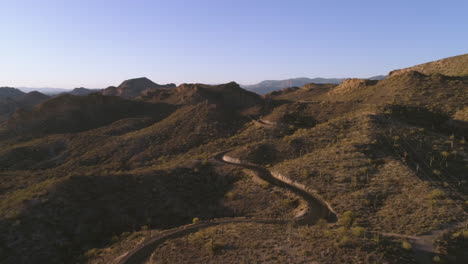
<point x="358" y="231"/>
<point x="437" y="194"/>
<point x="230" y="195"/>
<point x="344" y="241"/>
<point x="347" y="219"/>
<point x="406" y="245"/>
<point x="92" y="252"/>
<point x="195" y="220"/>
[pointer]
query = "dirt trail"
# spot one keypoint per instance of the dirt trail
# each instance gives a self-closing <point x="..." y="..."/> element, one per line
<point x="316" y="209"/>
<point x="423" y="245"/>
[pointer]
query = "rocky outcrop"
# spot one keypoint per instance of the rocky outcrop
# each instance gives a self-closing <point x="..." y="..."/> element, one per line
<point x="351" y="85"/>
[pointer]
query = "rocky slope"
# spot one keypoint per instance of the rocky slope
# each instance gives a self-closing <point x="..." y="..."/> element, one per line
<point x="453" y="66"/>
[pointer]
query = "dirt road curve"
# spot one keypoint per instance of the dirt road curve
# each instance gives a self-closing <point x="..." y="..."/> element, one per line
<point x="316" y="209"/>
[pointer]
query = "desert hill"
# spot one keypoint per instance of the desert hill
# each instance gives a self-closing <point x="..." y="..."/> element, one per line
<point x="453" y="66"/>
<point x="229" y="95"/>
<point x="103" y="179"/>
<point x="134" y="87"/>
<point x="68" y="113"/>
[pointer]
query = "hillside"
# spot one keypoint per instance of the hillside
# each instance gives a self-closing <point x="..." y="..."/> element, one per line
<point x="365" y="171"/>
<point x="453" y="66"/>
<point x="229" y="95"/>
<point x="12" y="99"/>
<point x="68" y="113"/>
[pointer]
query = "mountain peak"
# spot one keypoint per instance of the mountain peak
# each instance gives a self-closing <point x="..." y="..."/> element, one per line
<point x="10" y="92"/>
<point x="352" y="84"/>
<point x="134" y="87"/>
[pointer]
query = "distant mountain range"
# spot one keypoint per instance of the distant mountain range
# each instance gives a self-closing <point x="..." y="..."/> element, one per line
<point x="82" y="91"/>
<point x="55" y="91"/>
<point x="44" y="90"/>
<point x="138" y="85"/>
<point x="273" y="85"/>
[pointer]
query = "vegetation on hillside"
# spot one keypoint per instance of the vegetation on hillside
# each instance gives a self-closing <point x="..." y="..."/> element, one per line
<point x="88" y="178"/>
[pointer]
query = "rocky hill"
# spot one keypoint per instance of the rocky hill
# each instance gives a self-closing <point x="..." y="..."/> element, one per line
<point x="229" y="95"/>
<point x="453" y="66"/>
<point x="134" y="87"/>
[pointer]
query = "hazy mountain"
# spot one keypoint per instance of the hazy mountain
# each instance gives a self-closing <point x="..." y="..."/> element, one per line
<point x="45" y="90"/>
<point x="83" y="91"/>
<point x="10" y="92"/>
<point x="273" y="85"/>
<point x="378" y="77"/>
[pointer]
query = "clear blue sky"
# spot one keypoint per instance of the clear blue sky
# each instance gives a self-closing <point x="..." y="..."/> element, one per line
<point x="97" y="43"/>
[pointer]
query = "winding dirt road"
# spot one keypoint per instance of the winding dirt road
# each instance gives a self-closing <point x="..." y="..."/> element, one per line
<point x="316" y="209"/>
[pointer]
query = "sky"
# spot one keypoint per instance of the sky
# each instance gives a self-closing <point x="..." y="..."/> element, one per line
<point x="98" y="43"/>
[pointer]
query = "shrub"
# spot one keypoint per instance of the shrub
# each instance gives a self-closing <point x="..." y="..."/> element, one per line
<point x="358" y="231"/>
<point x="463" y="234"/>
<point x="195" y="220"/>
<point x="342" y="231"/>
<point x="406" y="245"/>
<point x="124" y="234"/>
<point x="437" y="194"/>
<point x="344" y="241"/>
<point x="230" y="195"/>
<point x="213" y="248"/>
<point x="347" y="219"/>
<point x="92" y="252"/>
<point x="265" y="185"/>
<point x="327" y="233"/>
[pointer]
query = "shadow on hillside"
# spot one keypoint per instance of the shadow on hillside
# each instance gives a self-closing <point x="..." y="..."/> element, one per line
<point x="432" y="149"/>
<point x="70" y="114"/>
<point x="423" y="117"/>
<point x="85" y="212"/>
